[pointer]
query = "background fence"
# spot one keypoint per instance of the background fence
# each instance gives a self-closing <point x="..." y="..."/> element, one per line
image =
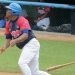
<point x="61" y="15"/>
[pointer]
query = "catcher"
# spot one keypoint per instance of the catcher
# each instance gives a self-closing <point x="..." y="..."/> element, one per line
<point x="18" y="32"/>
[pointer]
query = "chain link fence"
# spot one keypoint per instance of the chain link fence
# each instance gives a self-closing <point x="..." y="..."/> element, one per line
<point x="60" y="19"/>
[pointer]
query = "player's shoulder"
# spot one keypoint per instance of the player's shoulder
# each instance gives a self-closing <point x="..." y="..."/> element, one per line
<point x="21" y="18"/>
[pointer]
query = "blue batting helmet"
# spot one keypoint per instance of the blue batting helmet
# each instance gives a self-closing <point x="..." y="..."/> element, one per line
<point x="15" y="9"/>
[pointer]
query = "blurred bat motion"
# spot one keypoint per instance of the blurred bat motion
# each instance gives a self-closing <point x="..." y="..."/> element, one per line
<point x="60" y="66"/>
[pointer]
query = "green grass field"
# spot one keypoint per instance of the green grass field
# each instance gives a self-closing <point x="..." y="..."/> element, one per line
<point x="51" y="53"/>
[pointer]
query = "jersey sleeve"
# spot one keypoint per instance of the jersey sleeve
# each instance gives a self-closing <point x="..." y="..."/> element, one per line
<point x="7" y="32"/>
<point x="24" y="25"/>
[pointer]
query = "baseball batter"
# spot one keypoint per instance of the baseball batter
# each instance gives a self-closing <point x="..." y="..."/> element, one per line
<point x="19" y="33"/>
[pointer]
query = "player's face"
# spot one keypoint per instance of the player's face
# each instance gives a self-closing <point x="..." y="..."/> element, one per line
<point x="8" y="14"/>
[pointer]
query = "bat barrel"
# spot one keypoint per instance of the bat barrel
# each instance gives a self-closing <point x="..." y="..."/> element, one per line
<point x="59" y="66"/>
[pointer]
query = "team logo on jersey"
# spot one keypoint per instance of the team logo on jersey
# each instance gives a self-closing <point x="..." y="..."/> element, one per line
<point x="16" y="33"/>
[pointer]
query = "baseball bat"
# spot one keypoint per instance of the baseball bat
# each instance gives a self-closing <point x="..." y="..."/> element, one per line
<point x="59" y="66"/>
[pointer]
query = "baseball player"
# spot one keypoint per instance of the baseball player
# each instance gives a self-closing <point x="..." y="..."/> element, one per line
<point x="43" y="19"/>
<point x="19" y="33"/>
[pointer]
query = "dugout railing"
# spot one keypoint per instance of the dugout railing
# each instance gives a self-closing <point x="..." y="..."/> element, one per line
<point x="60" y="13"/>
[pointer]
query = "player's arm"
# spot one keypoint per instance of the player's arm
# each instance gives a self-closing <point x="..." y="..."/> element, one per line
<point x="42" y="17"/>
<point x="8" y="38"/>
<point x="24" y="28"/>
<point x="6" y="45"/>
<point x="23" y="37"/>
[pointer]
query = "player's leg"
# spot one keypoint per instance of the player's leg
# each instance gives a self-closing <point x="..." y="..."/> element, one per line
<point x="34" y="65"/>
<point x="28" y="53"/>
<point x="23" y="61"/>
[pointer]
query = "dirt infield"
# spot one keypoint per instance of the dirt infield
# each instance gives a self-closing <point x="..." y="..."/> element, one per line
<point x="55" y="36"/>
<point x="47" y="36"/>
<point x="5" y="73"/>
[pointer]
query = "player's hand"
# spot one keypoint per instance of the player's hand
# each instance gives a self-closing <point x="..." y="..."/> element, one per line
<point x="12" y="43"/>
<point x="2" y="49"/>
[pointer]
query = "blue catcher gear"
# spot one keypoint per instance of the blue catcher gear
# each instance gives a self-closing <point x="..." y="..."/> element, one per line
<point x="15" y="8"/>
